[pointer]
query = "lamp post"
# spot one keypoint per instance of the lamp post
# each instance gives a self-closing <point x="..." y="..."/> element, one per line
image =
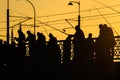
<point x="71" y="3"/>
<point x="34" y="15"/>
<point x="7" y="22"/>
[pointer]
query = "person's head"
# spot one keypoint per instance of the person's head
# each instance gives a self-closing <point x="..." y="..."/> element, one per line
<point x="1" y="41"/>
<point x="19" y="31"/>
<point x="77" y="28"/>
<point x="90" y="35"/>
<point x="28" y="32"/>
<point x="50" y="35"/>
<point x="100" y="26"/>
<point x="105" y="25"/>
<point x="38" y="33"/>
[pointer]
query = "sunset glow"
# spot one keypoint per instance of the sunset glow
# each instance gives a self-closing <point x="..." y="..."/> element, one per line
<point x="52" y="16"/>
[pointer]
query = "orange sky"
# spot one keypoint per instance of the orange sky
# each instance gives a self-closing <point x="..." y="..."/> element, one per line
<point x="53" y="13"/>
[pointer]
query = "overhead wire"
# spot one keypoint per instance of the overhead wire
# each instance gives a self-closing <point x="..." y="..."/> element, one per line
<point x="45" y="23"/>
<point x="86" y="26"/>
<point x="81" y="17"/>
<point x="71" y="19"/>
<point x="19" y="13"/>
<point x="105" y="19"/>
<point x="3" y="35"/>
<point x="86" y="18"/>
<point x="53" y="27"/>
<point x="110" y="8"/>
<point x="19" y="16"/>
<point x="45" y="30"/>
<point x="69" y="23"/>
<point x="99" y="18"/>
<point x="19" y="22"/>
<point x="107" y="6"/>
<point x="72" y="12"/>
<point x="77" y="11"/>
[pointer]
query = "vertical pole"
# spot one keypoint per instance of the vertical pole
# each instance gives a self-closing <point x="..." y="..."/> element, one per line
<point x="7" y="21"/>
<point x="34" y="22"/>
<point x="20" y="26"/>
<point x="79" y="14"/>
<point x="12" y="35"/>
<point x="79" y="20"/>
<point x="34" y="16"/>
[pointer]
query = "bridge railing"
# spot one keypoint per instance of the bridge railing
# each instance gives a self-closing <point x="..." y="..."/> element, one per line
<point x="116" y="48"/>
<point x="60" y="43"/>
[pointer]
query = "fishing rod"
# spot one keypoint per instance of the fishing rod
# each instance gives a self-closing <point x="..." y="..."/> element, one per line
<point x="53" y="28"/>
<point x="69" y="23"/>
<point x="45" y="30"/>
<point x="20" y="22"/>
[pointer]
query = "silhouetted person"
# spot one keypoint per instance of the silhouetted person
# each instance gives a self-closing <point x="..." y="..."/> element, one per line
<point x="1" y="52"/>
<point x="39" y="55"/>
<point x="3" y="58"/>
<point x="13" y="52"/>
<point x="53" y="49"/>
<point x="103" y="55"/>
<point x="78" y="42"/>
<point x="90" y="48"/>
<point x="12" y="59"/>
<point x="67" y="54"/>
<point x="67" y="50"/>
<point x="21" y="38"/>
<point x="100" y="44"/>
<point x="31" y="42"/>
<point x="41" y="48"/>
<point x="78" y="66"/>
<point x="105" y="43"/>
<point x="90" y="54"/>
<point x="110" y="41"/>
<point x="5" y="52"/>
<point x="21" y="45"/>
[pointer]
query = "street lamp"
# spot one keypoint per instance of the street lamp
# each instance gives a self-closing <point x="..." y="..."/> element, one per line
<point x="7" y="39"/>
<point x="34" y="15"/>
<point x="71" y="3"/>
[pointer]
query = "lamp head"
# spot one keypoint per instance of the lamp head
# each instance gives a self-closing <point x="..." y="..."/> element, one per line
<point x="70" y="3"/>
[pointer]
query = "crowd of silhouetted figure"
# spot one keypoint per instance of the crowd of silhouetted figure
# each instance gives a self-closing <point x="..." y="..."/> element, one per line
<point x="92" y="57"/>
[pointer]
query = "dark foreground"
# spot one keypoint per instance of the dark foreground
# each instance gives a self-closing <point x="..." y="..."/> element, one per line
<point x="71" y="71"/>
